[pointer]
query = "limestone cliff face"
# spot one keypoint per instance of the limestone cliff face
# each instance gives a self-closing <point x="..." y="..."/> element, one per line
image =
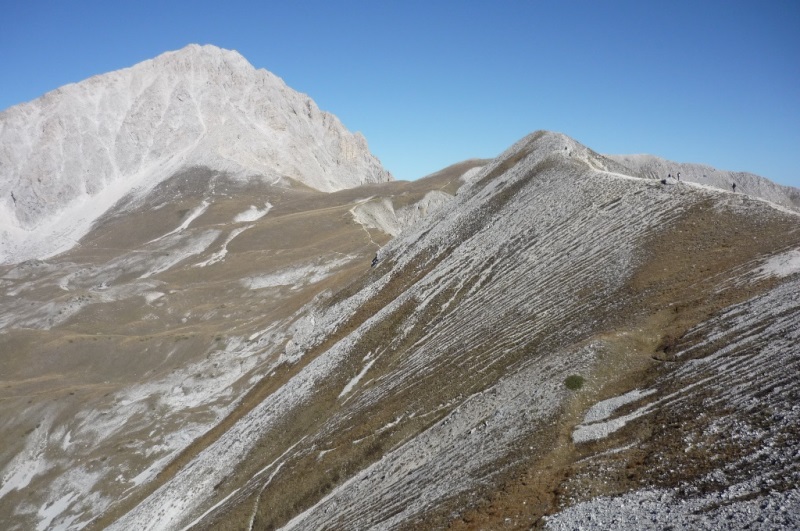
<point x="86" y="145"/>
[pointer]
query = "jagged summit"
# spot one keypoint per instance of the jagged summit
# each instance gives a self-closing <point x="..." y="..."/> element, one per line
<point x="208" y="51"/>
<point x="66" y="157"/>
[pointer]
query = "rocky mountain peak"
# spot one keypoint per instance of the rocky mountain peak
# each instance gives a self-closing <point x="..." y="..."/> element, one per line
<point x="68" y="156"/>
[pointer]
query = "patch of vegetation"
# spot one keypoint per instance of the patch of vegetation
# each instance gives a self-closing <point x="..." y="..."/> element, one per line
<point x="574" y="382"/>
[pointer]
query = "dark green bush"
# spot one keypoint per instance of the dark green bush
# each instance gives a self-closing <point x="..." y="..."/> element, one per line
<point x="574" y="382"/>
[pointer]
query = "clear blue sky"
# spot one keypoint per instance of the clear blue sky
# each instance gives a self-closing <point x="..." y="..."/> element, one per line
<point x="431" y="83"/>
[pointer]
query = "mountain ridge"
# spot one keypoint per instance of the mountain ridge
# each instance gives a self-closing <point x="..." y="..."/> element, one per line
<point x="522" y="341"/>
<point x="459" y="286"/>
<point x="654" y="167"/>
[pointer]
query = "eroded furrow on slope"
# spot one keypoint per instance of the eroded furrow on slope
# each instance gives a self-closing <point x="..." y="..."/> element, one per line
<point x="442" y="371"/>
<point x="721" y="442"/>
<point x="424" y="369"/>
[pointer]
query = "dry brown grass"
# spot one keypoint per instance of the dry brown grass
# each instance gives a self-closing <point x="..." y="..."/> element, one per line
<point x="673" y="289"/>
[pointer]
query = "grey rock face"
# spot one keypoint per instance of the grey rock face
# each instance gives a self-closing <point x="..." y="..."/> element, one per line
<point x="95" y="141"/>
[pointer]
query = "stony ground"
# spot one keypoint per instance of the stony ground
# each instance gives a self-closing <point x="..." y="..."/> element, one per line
<point x="429" y="391"/>
<point x="117" y="355"/>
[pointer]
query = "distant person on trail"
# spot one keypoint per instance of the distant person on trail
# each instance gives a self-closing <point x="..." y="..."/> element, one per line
<point x="734" y="187"/>
<point x="679" y="176"/>
<point x="375" y="261"/>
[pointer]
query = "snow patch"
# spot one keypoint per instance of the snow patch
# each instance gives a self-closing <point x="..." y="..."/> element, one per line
<point x="781" y="265"/>
<point x="602" y="410"/>
<point x="253" y="213"/>
<point x="200" y="518"/>
<point x="220" y="255"/>
<point x="193" y="215"/>
<point x="150" y="472"/>
<point x="352" y="383"/>
<point x="595" y="426"/>
<point x="26" y="465"/>
<point x="186" y="249"/>
<point x="48" y="513"/>
<point x="296" y="277"/>
<point x="152" y="296"/>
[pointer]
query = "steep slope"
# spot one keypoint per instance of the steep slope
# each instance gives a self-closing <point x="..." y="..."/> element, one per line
<point x="431" y="392"/>
<point x="651" y="167"/>
<point x="68" y="156"/>
<point x="714" y="440"/>
<point x="117" y="355"/>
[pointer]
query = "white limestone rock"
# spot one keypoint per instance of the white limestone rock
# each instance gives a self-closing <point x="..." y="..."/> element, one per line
<point x="380" y="213"/>
<point x="68" y="156"/>
<point x="649" y="166"/>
